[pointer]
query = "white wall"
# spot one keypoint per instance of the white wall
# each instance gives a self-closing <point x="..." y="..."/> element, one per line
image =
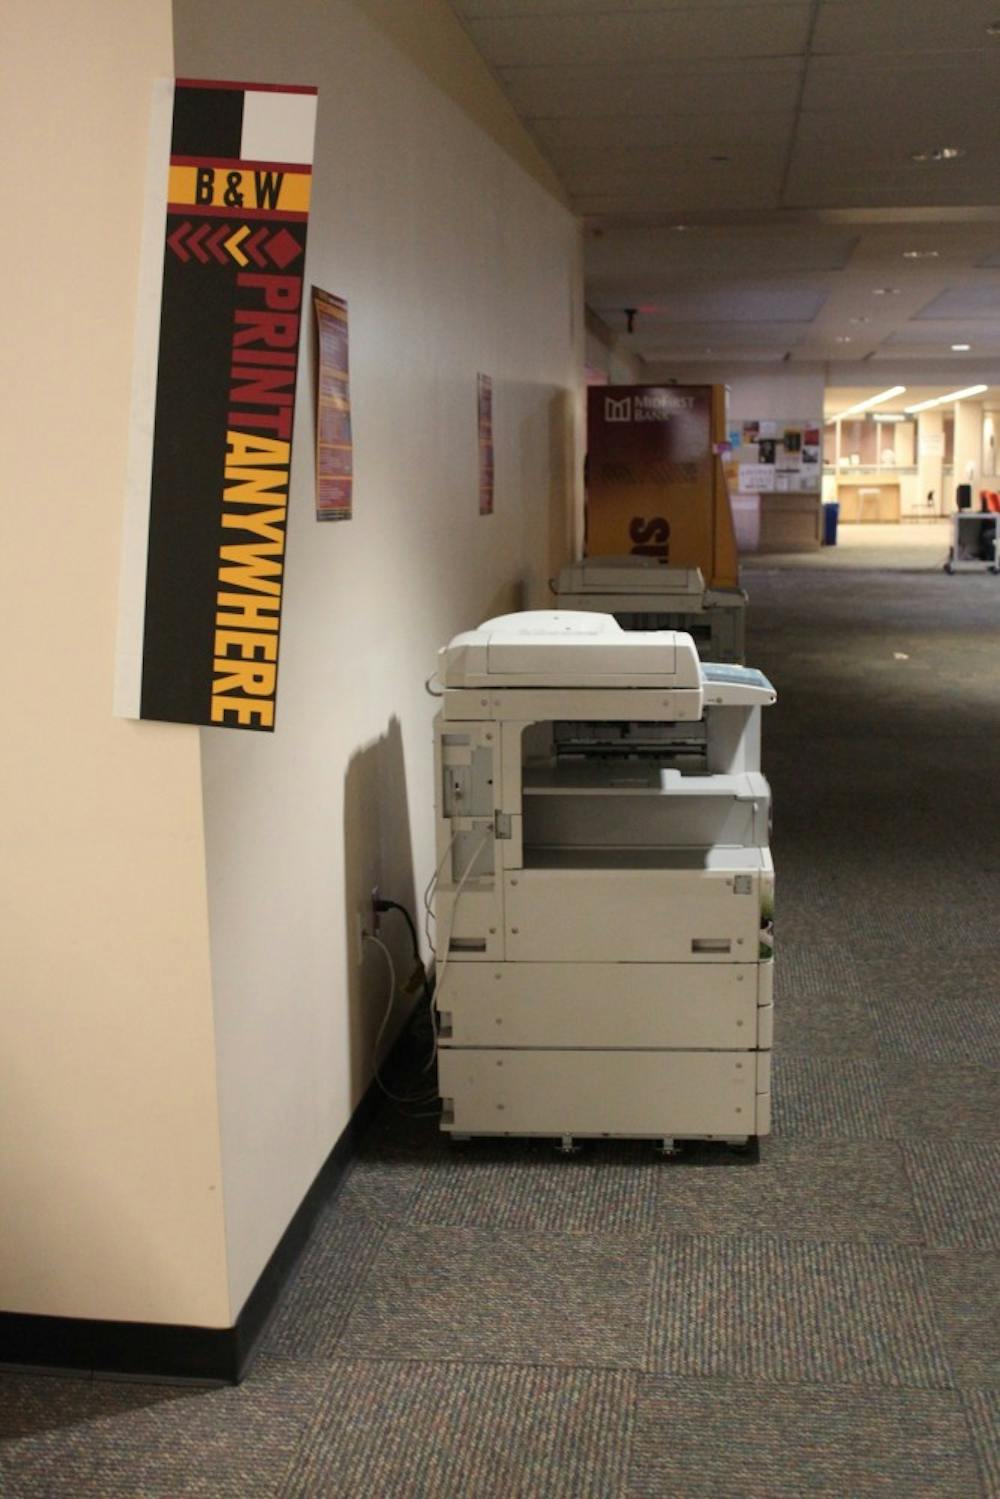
<point x="606" y="352"/>
<point x="767" y="391"/>
<point x="109" y="1142"/>
<point x="454" y="258"/>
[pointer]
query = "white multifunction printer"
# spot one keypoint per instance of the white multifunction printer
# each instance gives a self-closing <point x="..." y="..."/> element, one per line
<point x="644" y="594"/>
<point x="604" y="895"/>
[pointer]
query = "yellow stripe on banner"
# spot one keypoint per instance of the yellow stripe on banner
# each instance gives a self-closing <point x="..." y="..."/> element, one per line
<point x="233" y="189"/>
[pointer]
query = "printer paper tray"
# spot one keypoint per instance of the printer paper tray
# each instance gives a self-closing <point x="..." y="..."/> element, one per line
<point x="638" y="1093"/>
<point x="712" y="1005"/>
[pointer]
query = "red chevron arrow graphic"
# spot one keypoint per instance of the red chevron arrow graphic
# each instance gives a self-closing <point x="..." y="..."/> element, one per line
<point x="194" y="243"/>
<point x="214" y="243"/>
<point x="250" y="246"/>
<point x="176" y="241"/>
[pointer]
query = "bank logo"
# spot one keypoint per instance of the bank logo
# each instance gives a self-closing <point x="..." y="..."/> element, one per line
<point x="618" y="411"/>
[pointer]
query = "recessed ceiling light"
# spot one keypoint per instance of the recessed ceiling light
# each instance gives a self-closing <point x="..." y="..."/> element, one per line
<point x="885" y="291"/>
<point x="921" y="254"/>
<point x="961" y="348"/>
<point x="842" y="338"/>
<point x="938" y="153"/>
<point x="680" y="228"/>
<point x="860" y="319"/>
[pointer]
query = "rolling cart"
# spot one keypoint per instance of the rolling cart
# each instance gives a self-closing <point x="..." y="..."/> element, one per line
<point x="975" y="542"/>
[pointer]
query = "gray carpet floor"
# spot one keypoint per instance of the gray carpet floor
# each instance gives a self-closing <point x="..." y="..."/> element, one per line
<point x="500" y="1321"/>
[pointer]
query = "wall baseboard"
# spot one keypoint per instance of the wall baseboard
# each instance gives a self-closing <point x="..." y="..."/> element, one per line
<point x="157" y="1351"/>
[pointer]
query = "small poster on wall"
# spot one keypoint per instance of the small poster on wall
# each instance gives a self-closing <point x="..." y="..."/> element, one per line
<point x="484" y="394"/>
<point x="334" y="448"/>
<point x="756" y="478"/>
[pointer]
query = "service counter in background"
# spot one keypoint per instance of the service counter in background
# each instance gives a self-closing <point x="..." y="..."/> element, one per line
<point x="872" y="501"/>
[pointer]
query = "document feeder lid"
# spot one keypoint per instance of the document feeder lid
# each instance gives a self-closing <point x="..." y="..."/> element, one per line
<point x="563" y="648"/>
<point x="631" y="575"/>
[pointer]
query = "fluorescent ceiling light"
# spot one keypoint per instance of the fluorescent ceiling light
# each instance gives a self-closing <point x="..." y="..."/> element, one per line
<point x="887" y="416"/>
<point x="961" y="348"/>
<point x="953" y="395"/>
<point x="879" y="400"/>
<point x="921" y="254"/>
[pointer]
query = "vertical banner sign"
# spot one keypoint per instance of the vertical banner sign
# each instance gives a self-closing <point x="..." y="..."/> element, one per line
<point x="652" y="486"/>
<point x="233" y="253"/>
<point x="484" y="394"/>
<point x="334" y="449"/>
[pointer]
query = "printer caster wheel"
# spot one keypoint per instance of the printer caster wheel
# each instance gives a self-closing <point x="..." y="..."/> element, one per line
<point x="949" y="567"/>
<point x="993" y="568"/>
<point x="668" y="1148"/>
<point x="567" y="1146"/>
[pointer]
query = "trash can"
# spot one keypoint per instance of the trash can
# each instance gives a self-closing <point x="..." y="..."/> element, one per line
<point x="831" y="515"/>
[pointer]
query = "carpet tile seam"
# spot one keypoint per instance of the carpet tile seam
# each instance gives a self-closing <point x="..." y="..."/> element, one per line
<point x="641" y="1372"/>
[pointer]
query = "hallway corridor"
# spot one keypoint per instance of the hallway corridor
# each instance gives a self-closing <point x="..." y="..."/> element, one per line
<point x="497" y="1322"/>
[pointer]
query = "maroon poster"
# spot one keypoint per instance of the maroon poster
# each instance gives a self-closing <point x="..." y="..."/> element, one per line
<point x="334" y="447"/>
<point x="484" y="389"/>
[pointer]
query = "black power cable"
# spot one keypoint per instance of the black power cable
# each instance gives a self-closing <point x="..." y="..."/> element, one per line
<point x="382" y="906"/>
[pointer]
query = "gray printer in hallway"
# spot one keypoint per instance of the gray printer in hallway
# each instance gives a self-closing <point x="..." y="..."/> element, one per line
<point x="645" y="594"/>
<point x="605" y="886"/>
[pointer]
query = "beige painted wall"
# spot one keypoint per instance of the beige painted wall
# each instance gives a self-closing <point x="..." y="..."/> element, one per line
<point x="430" y="216"/>
<point x="109" y="1144"/>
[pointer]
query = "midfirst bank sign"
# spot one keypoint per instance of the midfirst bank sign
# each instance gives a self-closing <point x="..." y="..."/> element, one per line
<point x="657" y="406"/>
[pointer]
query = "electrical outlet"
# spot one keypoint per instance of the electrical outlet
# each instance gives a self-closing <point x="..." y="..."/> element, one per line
<point x="376" y="914"/>
<point x="361" y="927"/>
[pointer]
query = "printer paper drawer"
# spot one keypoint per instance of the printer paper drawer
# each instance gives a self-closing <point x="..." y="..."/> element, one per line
<point x="600" y="1004"/>
<point x="641" y="1093"/>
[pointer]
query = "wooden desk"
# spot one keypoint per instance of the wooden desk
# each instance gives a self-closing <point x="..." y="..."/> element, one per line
<point x="869" y="501"/>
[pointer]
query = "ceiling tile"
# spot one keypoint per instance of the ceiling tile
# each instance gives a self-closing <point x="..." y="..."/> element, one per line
<point x="713" y="133"/>
<point x="871" y="84"/>
<point x="691" y="88"/>
<point x="979" y="300"/>
<point x="927" y="334"/>
<point x="902" y="131"/>
<point x="725" y="310"/>
<point x="772" y="28"/>
<point x="681" y="177"/>
<point x="615" y="256"/>
<point x="849" y="27"/>
<point x="836" y="173"/>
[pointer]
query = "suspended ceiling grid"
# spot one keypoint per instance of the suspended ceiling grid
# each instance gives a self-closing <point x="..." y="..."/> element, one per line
<point x="746" y="176"/>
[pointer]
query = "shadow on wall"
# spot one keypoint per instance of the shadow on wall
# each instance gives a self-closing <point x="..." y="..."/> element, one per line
<point x="562" y="459"/>
<point x="378" y="850"/>
<point x="546" y="447"/>
<point x="509" y="599"/>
